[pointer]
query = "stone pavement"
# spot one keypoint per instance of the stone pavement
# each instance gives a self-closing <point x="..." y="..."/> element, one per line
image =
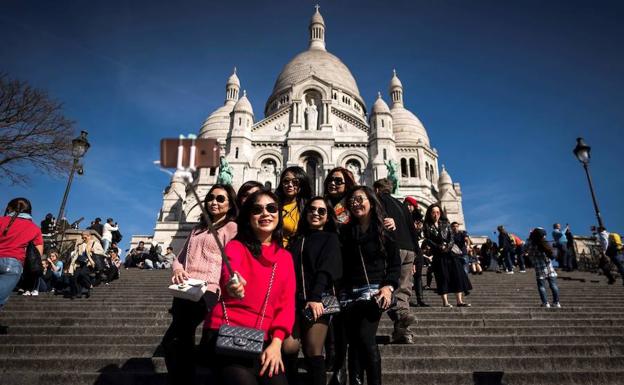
<point x="112" y="338"/>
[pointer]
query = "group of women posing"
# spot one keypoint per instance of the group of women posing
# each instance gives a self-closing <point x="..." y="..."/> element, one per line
<point x="288" y="250"/>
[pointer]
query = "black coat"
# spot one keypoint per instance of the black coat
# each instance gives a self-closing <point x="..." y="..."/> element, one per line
<point x="405" y="234"/>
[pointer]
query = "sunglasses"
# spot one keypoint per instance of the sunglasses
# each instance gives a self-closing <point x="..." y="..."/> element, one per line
<point x="218" y="198"/>
<point x="321" y="211"/>
<point x="294" y="182"/>
<point x="337" y="181"/>
<point x="358" y="199"/>
<point x="271" y="208"/>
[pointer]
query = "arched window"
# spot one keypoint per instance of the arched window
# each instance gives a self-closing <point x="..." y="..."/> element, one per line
<point x="355" y="167"/>
<point x="236" y="153"/>
<point x="267" y="185"/>
<point x="240" y="121"/>
<point x="427" y="171"/>
<point x="383" y="123"/>
<point x="404" y="173"/>
<point x="385" y="154"/>
<point x="412" y="168"/>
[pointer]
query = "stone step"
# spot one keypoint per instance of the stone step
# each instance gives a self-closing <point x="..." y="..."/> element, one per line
<point x="114" y="351"/>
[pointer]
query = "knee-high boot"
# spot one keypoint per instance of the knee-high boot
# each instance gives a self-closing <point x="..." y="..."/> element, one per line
<point x="316" y="370"/>
<point x="356" y="373"/>
<point x="373" y="370"/>
<point x="290" y="365"/>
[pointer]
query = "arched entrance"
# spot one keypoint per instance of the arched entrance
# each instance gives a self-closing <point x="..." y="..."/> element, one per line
<point x="312" y="163"/>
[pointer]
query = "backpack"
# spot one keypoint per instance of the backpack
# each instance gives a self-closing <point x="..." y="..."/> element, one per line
<point x="616" y="240"/>
<point x="116" y="236"/>
<point x="515" y="240"/>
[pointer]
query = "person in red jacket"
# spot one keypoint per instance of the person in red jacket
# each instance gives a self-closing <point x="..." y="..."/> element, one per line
<point x="16" y="231"/>
<point x="256" y="254"/>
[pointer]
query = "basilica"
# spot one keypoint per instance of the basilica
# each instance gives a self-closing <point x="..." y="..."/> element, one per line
<point x="315" y="118"/>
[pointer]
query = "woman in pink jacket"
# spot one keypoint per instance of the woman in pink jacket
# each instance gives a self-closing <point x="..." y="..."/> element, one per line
<point x="200" y="258"/>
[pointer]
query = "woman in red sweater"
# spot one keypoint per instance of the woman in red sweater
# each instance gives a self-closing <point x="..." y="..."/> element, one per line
<point x="256" y="254"/>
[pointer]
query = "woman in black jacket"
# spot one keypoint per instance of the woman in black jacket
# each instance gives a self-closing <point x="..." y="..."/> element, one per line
<point x="371" y="270"/>
<point x="318" y="265"/>
<point x="448" y="269"/>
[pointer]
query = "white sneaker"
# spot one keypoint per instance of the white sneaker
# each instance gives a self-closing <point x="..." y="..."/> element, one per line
<point x="523" y="271"/>
<point x="557" y="305"/>
<point x="34" y="293"/>
<point x="546" y="305"/>
<point x="26" y="293"/>
<point x="509" y="272"/>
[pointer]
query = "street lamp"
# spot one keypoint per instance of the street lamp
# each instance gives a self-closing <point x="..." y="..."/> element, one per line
<point x="80" y="146"/>
<point x="582" y="153"/>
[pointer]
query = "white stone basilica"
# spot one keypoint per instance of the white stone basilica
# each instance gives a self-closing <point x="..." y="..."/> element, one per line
<point x="315" y="118"/>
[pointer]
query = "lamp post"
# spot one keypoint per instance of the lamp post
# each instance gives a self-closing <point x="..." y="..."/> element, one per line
<point x="582" y="153"/>
<point x="80" y="146"/>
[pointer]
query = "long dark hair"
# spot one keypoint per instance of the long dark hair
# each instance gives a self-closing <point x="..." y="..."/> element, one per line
<point x="232" y="212"/>
<point x="303" y="227"/>
<point x="305" y="189"/>
<point x="246" y="234"/>
<point x="242" y="191"/>
<point x="429" y="220"/>
<point x="16" y="206"/>
<point x="376" y="213"/>
<point x="346" y="175"/>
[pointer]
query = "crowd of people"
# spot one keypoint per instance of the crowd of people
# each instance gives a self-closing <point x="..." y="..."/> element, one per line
<point x="289" y="254"/>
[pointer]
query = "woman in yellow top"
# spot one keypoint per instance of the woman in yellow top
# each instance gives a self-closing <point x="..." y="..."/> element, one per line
<point x="293" y="192"/>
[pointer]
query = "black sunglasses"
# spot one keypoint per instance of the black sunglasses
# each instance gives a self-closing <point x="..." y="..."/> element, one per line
<point x="286" y="182"/>
<point x="337" y="181"/>
<point x="271" y="208"/>
<point x="321" y="211"/>
<point x="219" y="198"/>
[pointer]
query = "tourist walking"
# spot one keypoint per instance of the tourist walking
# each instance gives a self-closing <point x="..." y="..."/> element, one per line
<point x="263" y="298"/>
<point x="541" y="254"/>
<point x="371" y="272"/>
<point x="448" y="266"/>
<point x="561" y="244"/>
<point x="506" y="248"/>
<point x="107" y="233"/>
<point x="318" y="266"/>
<point x="614" y="252"/>
<point x="293" y="192"/>
<point x="200" y="258"/>
<point x="17" y="231"/>
<point x="82" y="264"/>
<point x="604" y="263"/>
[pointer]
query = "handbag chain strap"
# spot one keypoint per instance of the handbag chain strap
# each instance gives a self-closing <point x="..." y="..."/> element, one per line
<point x="363" y="265"/>
<point x="305" y="297"/>
<point x="264" y="306"/>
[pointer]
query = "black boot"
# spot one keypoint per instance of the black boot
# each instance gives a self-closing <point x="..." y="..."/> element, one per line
<point x="373" y="371"/>
<point x="356" y="373"/>
<point x="316" y="370"/>
<point x="290" y="365"/>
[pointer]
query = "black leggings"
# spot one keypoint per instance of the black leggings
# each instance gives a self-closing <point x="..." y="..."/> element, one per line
<point x="80" y="280"/>
<point x="234" y="370"/>
<point x="362" y="321"/>
<point x="179" y="340"/>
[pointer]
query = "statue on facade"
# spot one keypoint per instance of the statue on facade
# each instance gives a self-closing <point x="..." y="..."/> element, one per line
<point x="311" y="115"/>
<point x="392" y="175"/>
<point x="225" y="172"/>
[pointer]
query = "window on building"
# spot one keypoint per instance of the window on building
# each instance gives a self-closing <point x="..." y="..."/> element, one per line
<point x="427" y="171"/>
<point x="213" y="171"/>
<point x="385" y="154"/>
<point x="412" y="168"/>
<point x="404" y="173"/>
<point x="236" y="153"/>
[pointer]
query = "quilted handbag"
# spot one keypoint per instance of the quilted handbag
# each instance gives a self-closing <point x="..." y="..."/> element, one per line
<point x="375" y="292"/>
<point x="331" y="305"/>
<point x="241" y="341"/>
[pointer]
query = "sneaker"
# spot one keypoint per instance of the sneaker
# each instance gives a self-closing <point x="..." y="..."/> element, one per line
<point x="509" y="272"/>
<point x="26" y="293"/>
<point x="34" y="293"/>
<point x="546" y="305"/>
<point x="447" y="305"/>
<point x="523" y="271"/>
<point x="557" y="305"/>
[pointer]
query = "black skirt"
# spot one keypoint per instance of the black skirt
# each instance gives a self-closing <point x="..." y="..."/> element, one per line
<point x="450" y="275"/>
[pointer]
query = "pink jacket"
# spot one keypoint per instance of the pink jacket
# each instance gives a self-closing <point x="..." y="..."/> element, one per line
<point x="200" y="257"/>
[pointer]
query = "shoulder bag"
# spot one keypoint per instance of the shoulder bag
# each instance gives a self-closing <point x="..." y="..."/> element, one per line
<point x="330" y="302"/>
<point x="374" y="292"/>
<point x="192" y="289"/>
<point x="239" y="341"/>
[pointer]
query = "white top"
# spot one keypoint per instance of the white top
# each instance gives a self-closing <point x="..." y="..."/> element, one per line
<point x="603" y="239"/>
<point x="107" y="232"/>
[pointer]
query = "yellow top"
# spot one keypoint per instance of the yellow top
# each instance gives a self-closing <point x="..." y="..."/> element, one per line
<point x="290" y="217"/>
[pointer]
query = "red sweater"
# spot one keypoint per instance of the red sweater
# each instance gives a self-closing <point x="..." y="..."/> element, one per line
<point x="22" y="231"/>
<point x="280" y="312"/>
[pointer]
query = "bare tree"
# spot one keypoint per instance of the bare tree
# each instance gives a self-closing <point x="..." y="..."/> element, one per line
<point x="33" y="132"/>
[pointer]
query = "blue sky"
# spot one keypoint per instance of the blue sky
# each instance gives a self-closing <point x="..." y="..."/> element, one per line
<point x="503" y="88"/>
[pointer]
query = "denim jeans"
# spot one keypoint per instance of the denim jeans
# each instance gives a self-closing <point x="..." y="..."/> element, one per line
<point x="618" y="261"/>
<point x="10" y="273"/>
<point x="105" y="244"/>
<point x="541" y="287"/>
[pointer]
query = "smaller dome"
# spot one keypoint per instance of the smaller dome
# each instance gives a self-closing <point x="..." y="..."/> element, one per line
<point x="317" y="18"/>
<point x="407" y="128"/>
<point x="243" y="105"/>
<point x="395" y="82"/>
<point x="233" y="79"/>
<point x="445" y="178"/>
<point x="380" y="106"/>
<point x="217" y="124"/>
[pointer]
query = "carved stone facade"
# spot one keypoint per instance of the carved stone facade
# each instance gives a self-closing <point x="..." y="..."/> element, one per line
<point x="315" y="118"/>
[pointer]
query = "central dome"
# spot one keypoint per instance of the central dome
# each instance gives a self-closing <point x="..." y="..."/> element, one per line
<point x="321" y="64"/>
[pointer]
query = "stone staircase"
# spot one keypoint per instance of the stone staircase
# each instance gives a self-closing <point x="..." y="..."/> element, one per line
<point x="113" y="337"/>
